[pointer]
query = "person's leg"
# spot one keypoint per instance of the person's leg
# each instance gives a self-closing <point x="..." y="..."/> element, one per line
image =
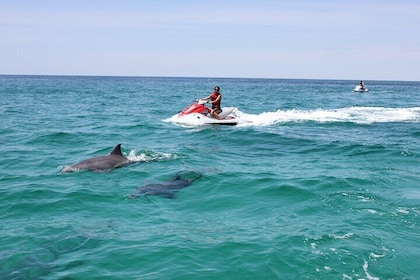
<point x="216" y="115"/>
<point x="215" y="112"/>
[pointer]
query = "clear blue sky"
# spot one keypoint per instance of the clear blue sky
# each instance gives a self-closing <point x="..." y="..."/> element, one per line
<point x="361" y="40"/>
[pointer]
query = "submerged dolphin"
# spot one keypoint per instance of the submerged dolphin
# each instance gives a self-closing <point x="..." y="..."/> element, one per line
<point x="114" y="160"/>
<point x="168" y="188"/>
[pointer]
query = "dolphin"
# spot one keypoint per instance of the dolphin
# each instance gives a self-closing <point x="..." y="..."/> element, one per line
<point x="167" y="188"/>
<point x="114" y="160"/>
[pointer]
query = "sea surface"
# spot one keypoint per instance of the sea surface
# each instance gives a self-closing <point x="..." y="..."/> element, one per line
<point x="319" y="182"/>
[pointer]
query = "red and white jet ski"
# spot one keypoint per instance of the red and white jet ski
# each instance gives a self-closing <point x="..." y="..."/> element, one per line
<point x="197" y="113"/>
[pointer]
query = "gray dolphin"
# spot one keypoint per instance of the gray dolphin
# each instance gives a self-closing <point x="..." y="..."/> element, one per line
<point x="114" y="160"/>
<point x="168" y="188"/>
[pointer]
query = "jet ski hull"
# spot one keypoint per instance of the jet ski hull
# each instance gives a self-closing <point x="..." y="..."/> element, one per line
<point x="198" y="114"/>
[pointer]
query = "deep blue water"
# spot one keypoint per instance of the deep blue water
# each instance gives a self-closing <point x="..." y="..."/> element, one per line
<point x="319" y="182"/>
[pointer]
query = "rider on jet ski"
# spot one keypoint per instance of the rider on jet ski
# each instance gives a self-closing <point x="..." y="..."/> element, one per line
<point x="215" y="99"/>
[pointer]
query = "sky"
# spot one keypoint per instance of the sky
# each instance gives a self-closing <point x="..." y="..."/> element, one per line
<point x="298" y="39"/>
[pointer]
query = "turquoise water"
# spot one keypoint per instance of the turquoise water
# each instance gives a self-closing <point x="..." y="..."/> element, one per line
<point x="318" y="183"/>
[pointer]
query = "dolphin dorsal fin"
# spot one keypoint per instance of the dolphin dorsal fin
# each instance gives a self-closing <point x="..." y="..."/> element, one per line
<point x="117" y="151"/>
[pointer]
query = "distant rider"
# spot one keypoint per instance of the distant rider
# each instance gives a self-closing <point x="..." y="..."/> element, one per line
<point x="215" y="100"/>
<point x="362" y="85"/>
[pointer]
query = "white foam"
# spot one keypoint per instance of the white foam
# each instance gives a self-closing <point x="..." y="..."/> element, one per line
<point x="368" y="276"/>
<point x="359" y="115"/>
<point x="327" y="268"/>
<point x="373" y="255"/>
<point x="345" y="236"/>
<point x="145" y="156"/>
<point x="403" y="210"/>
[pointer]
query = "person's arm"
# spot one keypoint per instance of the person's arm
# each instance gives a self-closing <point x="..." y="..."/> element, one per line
<point x="208" y="97"/>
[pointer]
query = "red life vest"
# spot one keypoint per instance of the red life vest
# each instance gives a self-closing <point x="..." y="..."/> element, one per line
<point x="213" y="97"/>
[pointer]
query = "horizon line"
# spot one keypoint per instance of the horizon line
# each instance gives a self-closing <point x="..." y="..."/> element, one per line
<point x="196" y="77"/>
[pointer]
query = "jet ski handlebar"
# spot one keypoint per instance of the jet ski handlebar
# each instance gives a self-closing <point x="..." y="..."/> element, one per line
<point x="202" y="101"/>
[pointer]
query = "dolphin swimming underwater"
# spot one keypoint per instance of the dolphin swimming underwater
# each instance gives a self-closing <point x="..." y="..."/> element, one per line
<point x="168" y="188"/>
<point x="114" y="160"/>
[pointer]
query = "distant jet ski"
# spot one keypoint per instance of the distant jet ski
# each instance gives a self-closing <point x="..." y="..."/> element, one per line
<point x="199" y="114"/>
<point x="360" y="87"/>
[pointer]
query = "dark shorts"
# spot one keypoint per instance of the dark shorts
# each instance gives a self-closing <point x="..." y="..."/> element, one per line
<point x="217" y="110"/>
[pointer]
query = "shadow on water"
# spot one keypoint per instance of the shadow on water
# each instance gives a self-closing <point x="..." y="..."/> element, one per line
<point x="42" y="260"/>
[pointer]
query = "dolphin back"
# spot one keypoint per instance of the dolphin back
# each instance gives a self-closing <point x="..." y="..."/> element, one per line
<point x="189" y="176"/>
<point x="168" y="188"/>
<point x="101" y="163"/>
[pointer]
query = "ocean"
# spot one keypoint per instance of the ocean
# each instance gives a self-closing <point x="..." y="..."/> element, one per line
<point x="319" y="182"/>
